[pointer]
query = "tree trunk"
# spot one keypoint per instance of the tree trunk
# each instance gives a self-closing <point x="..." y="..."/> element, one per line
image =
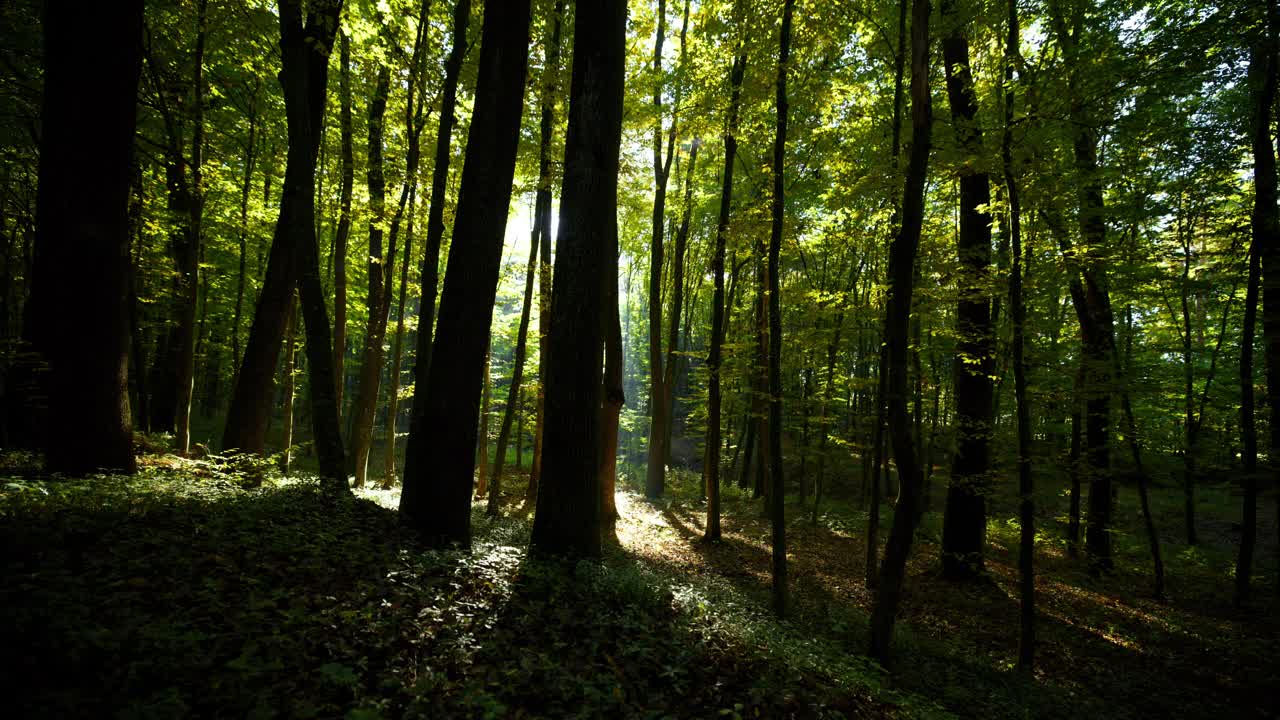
<point x="568" y="518"/>
<point x="304" y="44"/>
<point x="1265" y="228"/>
<point x="902" y="256"/>
<point x="290" y="354"/>
<point x="430" y="274"/>
<point x="613" y="395"/>
<point x="545" y="178"/>
<point x="343" y="231"/>
<point x="655" y="474"/>
<point x="964" y="526"/>
<point x="482" y="445"/>
<point x="517" y="376"/>
<point x="242" y="234"/>
<point x="711" y="472"/>
<point x="1018" y="309"/>
<point x="82" y="235"/>
<point x="366" y="399"/>
<point x="397" y="351"/>
<point x="777" y="497"/>
<point x="669" y="379"/>
<point x="439" y="464"/>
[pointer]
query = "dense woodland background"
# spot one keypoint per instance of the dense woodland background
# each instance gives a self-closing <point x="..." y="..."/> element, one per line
<point x="968" y="314"/>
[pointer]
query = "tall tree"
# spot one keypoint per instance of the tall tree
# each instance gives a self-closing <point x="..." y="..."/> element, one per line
<point x="964" y="526"/>
<point x="902" y="255"/>
<point x="542" y="204"/>
<point x="1265" y="229"/>
<point x="430" y="275"/>
<point x="777" y="496"/>
<point x="343" y="231"/>
<point x="568" y="517"/>
<point x="439" y="463"/>
<point x="715" y="358"/>
<point x="82" y="232"/>
<point x="306" y="40"/>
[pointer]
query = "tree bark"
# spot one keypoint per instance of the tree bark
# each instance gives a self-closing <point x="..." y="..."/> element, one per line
<point x="711" y="473"/>
<point x="543" y="201"/>
<point x="82" y="235"/>
<point x="439" y="463"/>
<point x="964" y="526"/>
<point x="517" y="377"/>
<point x="902" y="255"/>
<point x="777" y="497"/>
<point x="430" y="273"/>
<point x="1265" y="229"/>
<point x="305" y="43"/>
<point x="568" y="517"/>
<point x="343" y="231"/>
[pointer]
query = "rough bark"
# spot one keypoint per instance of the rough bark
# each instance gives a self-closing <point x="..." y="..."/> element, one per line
<point x="777" y="496"/>
<point x="439" y="463"/>
<point x="82" y="236"/>
<point x="964" y="526"/>
<point x="568" y="517"/>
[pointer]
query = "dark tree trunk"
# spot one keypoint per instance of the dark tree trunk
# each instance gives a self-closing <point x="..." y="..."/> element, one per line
<point x="1018" y="309"/>
<point x="568" y="517"/>
<point x="430" y="275"/>
<point x="902" y="256"/>
<point x="711" y="472"/>
<point x="397" y="351"/>
<point x="375" y="331"/>
<point x="439" y="463"/>
<point x="343" y="231"/>
<point x="670" y="379"/>
<point x="655" y="473"/>
<point x="964" y="526"/>
<point x="543" y="201"/>
<point x="82" y="235"/>
<point x="304" y="44"/>
<point x="777" y="496"/>
<point x="613" y="394"/>
<point x="242" y="235"/>
<point x="290" y="359"/>
<point x="1265" y="241"/>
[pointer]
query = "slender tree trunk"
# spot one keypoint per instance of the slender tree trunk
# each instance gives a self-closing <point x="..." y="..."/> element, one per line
<point x="777" y="498"/>
<point x="897" y="320"/>
<point x="243" y="233"/>
<point x="1189" y="389"/>
<point x="304" y="44"/>
<point x="677" y="305"/>
<point x="655" y="475"/>
<point x="290" y="353"/>
<point x="397" y="351"/>
<point x="517" y="377"/>
<point x="482" y="449"/>
<point x="439" y="463"/>
<point x="613" y="395"/>
<point x="1018" y="309"/>
<point x="82" y="235"/>
<point x="366" y="398"/>
<point x="711" y="473"/>
<point x="430" y="274"/>
<point x="1265" y="228"/>
<point x="343" y="231"/>
<point x="965" y="518"/>
<point x="568" y="517"/>
<point x="1073" y="510"/>
<point x="546" y="128"/>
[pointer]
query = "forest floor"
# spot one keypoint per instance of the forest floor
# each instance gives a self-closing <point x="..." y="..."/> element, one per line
<point x="185" y="591"/>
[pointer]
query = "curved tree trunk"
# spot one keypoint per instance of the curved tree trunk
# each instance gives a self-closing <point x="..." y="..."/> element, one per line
<point x="902" y="255"/>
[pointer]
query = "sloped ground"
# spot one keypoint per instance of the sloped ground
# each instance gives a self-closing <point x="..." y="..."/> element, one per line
<point x="182" y="593"/>
<point x="178" y="593"/>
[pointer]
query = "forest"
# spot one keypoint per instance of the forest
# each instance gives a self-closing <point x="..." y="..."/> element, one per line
<point x="649" y="359"/>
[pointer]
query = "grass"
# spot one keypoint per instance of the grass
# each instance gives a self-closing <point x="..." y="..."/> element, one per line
<point x="188" y="591"/>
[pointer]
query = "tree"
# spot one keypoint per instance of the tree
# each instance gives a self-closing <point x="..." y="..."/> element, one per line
<point x="439" y="463"/>
<point x="902" y="255"/>
<point x="568" y="517"/>
<point x="777" y="497"/>
<point x="965" y="520"/>
<point x="1265" y="229"/>
<point x="92" y="60"/>
<point x="306" y="40"/>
